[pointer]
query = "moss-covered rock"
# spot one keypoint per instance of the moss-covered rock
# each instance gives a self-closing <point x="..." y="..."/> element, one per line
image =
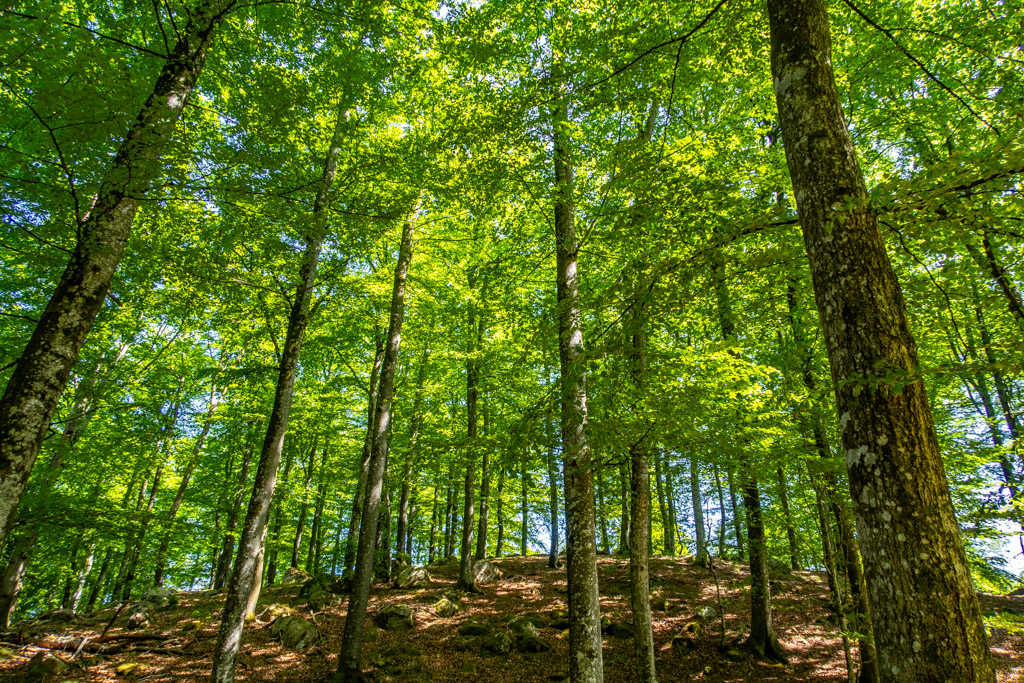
<point x="295" y="632"/>
<point x="498" y="644"/>
<point x="395" y="618"/>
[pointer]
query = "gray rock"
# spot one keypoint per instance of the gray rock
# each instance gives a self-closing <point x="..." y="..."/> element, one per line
<point x="617" y="629"/>
<point x="498" y="644"/>
<point x="474" y="628"/>
<point x="485" y="572"/>
<point x="276" y="611"/>
<point x="139" y="616"/>
<point x="412" y="577"/>
<point x="532" y="643"/>
<point x="294" y="575"/>
<point x="161" y="598"/>
<point x="445" y="608"/>
<point x="521" y="628"/>
<point x="395" y="618"/>
<point x="295" y="632"/>
<point x="44" y="666"/>
<point x="321" y="600"/>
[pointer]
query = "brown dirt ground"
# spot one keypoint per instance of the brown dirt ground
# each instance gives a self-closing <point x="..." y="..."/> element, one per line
<point x="528" y="586"/>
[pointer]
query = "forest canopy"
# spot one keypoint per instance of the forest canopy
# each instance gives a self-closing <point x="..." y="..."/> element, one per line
<point x="345" y="287"/>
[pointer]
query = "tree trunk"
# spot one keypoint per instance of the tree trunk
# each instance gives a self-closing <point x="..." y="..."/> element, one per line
<point x="228" y="543"/>
<point x="275" y="534"/>
<point x="257" y="582"/>
<point x="925" y="613"/>
<point x="352" y="640"/>
<point x="315" y="531"/>
<point x="524" y="506"/>
<point x="101" y="577"/>
<point x="411" y="456"/>
<point x="737" y="522"/>
<point x="35" y="386"/>
<point x="640" y="499"/>
<point x="433" y="527"/>
<point x="355" y="519"/>
<point x="606" y="543"/>
<point x="553" y="562"/>
<point x="667" y="545"/>
<point x="585" y="656"/>
<point x="229" y="636"/>
<point x="762" y="641"/>
<point x="787" y="515"/>
<point x="179" y="497"/>
<point x="721" y="512"/>
<point x="474" y="335"/>
<point x="624" y="515"/>
<point x="702" y="559"/>
<point x="304" y="505"/>
<point x="83" y="576"/>
<point x="499" y="544"/>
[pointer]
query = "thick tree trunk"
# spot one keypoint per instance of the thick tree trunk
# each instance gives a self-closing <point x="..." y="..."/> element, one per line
<point x="257" y="582"/>
<point x="702" y="559"/>
<point x="848" y="544"/>
<point x="925" y="613"/>
<point x="33" y="391"/>
<point x="585" y="656"/>
<point x="352" y="640"/>
<point x="229" y="636"/>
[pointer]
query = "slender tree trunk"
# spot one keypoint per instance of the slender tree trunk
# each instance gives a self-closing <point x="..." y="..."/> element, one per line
<point x="640" y="499"/>
<point x="787" y="515"/>
<point x="433" y="528"/>
<point x="355" y="519"/>
<point x="404" y="534"/>
<point x="667" y="545"/>
<point x="737" y="522"/>
<point x="998" y="379"/>
<point x="474" y="336"/>
<point x="34" y="389"/>
<point x="179" y="497"/>
<point x="275" y="534"/>
<point x="721" y="512"/>
<point x="524" y="506"/>
<point x="229" y="636"/>
<point x="606" y="543"/>
<point x="585" y="657"/>
<point x="101" y="577"/>
<point x="499" y="544"/>
<point x="257" y="582"/>
<point x="762" y="641"/>
<point x="702" y="559"/>
<point x="228" y="543"/>
<point x="313" y="555"/>
<point x="624" y="507"/>
<point x="304" y="505"/>
<point x="552" y="487"/>
<point x="990" y="262"/>
<point x="81" y="578"/>
<point x="352" y="640"/>
<point x="927" y="622"/>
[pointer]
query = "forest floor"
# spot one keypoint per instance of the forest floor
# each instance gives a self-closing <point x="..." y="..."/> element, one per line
<point x="177" y="646"/>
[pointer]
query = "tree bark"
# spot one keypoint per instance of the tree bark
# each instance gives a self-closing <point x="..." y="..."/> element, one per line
<point x="352" y="640"/>
<point x="553" y="562"/>
<point x="702" y="559"/>
<point x="585" y="656"/>
<point x="355" y="519"/>
<point x="34" y="389"/>
<point x="275" y="534"/>
<point x="228" y="542"/>
<point x="787" y="515"/>
<point x="473" y="335"/>
<point x="762" y="640"/>
<point x="927" y="624"/>
<point x="229" y="636"/>
<point x="404" y="533"/>
<point x="499" y="543"/>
